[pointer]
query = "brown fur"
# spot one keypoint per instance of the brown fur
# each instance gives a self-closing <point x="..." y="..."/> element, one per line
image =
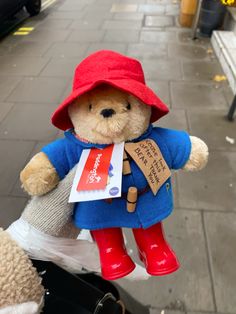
<point x="39" y="176"/>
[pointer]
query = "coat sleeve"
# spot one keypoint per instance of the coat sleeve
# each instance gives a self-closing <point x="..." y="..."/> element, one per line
<point x="178" y="144"/>
<point x="57" y="152"/>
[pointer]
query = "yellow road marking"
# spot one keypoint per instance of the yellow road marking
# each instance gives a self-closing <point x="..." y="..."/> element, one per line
<point x="26" y="29"/>
<point x="21" y="33"/>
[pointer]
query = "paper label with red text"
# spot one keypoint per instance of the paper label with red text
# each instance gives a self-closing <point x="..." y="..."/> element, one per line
<point x="98" y="174"/>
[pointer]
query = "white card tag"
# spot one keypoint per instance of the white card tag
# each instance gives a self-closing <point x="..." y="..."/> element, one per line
<point x="113" y="187"/>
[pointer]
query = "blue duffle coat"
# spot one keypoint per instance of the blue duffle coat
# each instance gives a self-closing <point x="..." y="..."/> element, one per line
<point x="150" y="209"/>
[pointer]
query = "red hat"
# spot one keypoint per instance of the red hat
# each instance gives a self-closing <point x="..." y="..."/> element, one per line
<point x="109" y="67"/>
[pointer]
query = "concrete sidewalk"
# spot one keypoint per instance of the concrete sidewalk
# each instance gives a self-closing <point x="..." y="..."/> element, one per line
<point x="35" y="75"/>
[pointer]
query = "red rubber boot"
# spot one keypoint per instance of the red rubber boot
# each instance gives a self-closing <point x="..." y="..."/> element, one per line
<point x="115" y="262"/>
<point x="154" y="251"/>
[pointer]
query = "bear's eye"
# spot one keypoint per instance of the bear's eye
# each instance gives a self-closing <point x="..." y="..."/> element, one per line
<point x="128" y="106"/>
<point x="90" y="107"/>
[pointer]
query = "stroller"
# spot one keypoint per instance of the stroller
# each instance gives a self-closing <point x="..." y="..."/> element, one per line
<point x="83" y="293"/>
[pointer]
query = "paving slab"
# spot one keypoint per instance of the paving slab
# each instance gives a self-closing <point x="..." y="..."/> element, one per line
<point x="152" y="9"/>
<point x="123" y="7"/>
<point x="21" y="66"/>
<point x="200" y="70"/>
<point x="119" y="47"/>
<point x="29" y="122"/>
<point x="161" y="1"/>
<point x="197" y="95"/>
<point x="191" y="285"/>
<point x="112" y="24"/>
<point x="7" y="85"/>
<point x="214" y="128"/>
<point x="157" y="36"/>
<point x="165" y="311"/>
<point x="61" y="67"/>
<point x="71" y="6"/>
<point x="132" y="16"/>
<point x="12" y="155"/>
<point x="187" y="51"/>
<point x="185" y="36"/>
<point x="221" y="236"/>
<point x="84" y="37"/>
<point x="147" y="50"/>
<point x="162" y="69"/>
<point x="96" y="14"/>
<point x="67" y="50"/>
<point x="172" y="9"/>
<point x="158" y="21"/>
<point x="87" y="24"/>
<point x="5" y="109"/>
<point x="121" y="36"/>
<point x="206" y="312"/>
<point x="10" y="209"/>
<point x="39" y="89"/>
<point x="176" y="119"/>
<point x="67" y="15"/>
<point x="214" y="188"/>
<point x="40" y="35"/>
<point x="161" y="88"/>
<point x="10" y="40"/>
<point x="29" y="49"/>
<point x="54" y="24"/>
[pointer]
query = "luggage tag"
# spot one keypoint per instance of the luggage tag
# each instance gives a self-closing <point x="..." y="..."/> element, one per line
<point x="99" y="174"/>
<point x="149" y="159"/>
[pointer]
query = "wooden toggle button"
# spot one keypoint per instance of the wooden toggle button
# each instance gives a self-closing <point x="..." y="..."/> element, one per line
<point x="132" y="197"/>
<point x="126" y="165"/>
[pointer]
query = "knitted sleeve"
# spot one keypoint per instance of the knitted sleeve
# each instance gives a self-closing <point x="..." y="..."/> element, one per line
<point x="178" y="144"/>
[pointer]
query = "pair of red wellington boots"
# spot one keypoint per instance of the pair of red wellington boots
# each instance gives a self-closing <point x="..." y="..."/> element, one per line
<point x="156" y="254"/>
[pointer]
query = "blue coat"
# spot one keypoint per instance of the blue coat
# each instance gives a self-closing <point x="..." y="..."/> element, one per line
<point x="175" y="147"/>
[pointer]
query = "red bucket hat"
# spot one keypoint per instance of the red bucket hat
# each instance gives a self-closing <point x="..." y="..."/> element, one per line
<point x="109" y="67"/>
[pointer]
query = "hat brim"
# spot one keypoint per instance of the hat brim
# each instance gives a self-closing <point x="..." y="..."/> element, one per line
<point x="61" y="119"/>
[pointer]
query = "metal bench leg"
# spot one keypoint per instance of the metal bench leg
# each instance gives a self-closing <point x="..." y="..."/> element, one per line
<point x="232" y="109"/>
<point x="196" y="19"/>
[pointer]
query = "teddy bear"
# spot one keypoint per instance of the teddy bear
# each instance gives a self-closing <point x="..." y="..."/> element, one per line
<point x="21" y="289"/>
<point x="110" y="103"/>
<point x="43" y="232"/>
<point x="39" y="234"/>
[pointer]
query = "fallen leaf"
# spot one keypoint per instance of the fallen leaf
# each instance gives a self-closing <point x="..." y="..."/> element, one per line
<point x="209" y="51"/>
<point x="219" y="78"/>
<point x="230" y="140"/>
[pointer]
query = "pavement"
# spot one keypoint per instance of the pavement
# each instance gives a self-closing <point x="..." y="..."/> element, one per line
<point x="35" y="75"/>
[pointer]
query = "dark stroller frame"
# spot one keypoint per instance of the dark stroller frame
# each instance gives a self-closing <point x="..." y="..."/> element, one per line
<point x="83" y="293"/>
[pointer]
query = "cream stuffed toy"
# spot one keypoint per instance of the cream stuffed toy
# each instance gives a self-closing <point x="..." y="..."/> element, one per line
<point x="110" y="104"/>
<point x="21" y="291"/>
<point x="45" y="232"/>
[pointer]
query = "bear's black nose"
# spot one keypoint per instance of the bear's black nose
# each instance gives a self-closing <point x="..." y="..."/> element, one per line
<point x="107" y="113"/>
